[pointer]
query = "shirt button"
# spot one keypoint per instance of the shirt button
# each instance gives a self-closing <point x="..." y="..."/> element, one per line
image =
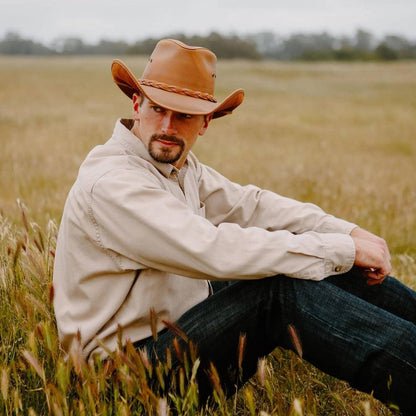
<point x="338" y="269"/>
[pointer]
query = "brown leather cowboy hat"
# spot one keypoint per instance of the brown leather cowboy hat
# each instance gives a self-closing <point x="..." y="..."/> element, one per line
<point x="180" y="78"/>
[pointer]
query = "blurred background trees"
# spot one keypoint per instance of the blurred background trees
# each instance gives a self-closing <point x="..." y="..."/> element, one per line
<point x="362" y="46"/>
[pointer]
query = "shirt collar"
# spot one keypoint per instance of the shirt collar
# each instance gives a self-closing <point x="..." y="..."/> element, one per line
<point x="129" y="141"/>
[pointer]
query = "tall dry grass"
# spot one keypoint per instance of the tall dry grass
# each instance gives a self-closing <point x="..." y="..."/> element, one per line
<point x="341" y="136"/>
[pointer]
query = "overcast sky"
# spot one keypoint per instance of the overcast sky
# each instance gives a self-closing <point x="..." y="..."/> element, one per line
<point x="130" y="20"/>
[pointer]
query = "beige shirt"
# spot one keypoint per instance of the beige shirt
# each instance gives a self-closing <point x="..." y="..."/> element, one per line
<point x="137" y="234"/>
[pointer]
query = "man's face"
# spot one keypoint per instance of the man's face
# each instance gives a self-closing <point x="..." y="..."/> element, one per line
<point x="168" y="135"/>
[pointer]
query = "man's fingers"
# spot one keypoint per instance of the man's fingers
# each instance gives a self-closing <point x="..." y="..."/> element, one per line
<point x="370" y="237"/>
<point x="374" y="277"/>
<point x="373" y="282"/>
<point x="372" y="255"/>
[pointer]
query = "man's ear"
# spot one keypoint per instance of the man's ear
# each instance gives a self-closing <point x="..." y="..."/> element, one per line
<point x="137" y="99"/>
<point x="204" y="127"/>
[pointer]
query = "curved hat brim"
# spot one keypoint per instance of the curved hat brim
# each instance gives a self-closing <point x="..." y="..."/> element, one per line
<point x="128" y="83"/>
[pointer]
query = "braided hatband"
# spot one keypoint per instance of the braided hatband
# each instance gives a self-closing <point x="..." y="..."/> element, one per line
<point x="177" y="90"/>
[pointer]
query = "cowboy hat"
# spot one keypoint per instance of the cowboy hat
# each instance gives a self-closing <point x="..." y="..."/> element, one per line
<point x="180" y="78"/>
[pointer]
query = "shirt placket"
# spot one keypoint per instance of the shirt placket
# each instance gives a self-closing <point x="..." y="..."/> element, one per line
<point x="178" y="178"/>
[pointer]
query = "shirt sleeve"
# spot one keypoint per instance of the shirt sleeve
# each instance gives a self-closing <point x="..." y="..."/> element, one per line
<point x="136" y="219"/>
<point x="250" y="206"/>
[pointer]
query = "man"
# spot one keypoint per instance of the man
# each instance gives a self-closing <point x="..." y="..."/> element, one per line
<point x="147" y="227"/>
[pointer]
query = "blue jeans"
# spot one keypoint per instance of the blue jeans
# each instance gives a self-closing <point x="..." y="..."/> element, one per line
<point x="363" y="334"/>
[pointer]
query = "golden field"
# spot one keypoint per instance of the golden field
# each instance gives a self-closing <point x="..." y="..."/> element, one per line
<point x="340" y="135"/>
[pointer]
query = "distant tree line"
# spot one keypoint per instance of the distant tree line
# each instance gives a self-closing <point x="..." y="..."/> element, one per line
<point x="323" y="46"/>
<point x="265" y="45"/>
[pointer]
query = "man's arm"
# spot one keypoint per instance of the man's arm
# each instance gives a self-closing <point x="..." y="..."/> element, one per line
<point x="270" y="211"/>
<point x="141" y="225"/>
<point x="371" y="255"/>
<point x="250" y="206"/>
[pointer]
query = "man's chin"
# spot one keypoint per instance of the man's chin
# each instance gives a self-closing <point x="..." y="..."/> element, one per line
<point x="165" y="157"/>
<point x="169" y="153"/>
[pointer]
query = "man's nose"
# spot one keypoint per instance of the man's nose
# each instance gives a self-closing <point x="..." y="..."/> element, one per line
<point x="168" y="124"/>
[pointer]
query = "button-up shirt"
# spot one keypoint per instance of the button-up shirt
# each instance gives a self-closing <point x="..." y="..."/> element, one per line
<point x="138" y="235"/>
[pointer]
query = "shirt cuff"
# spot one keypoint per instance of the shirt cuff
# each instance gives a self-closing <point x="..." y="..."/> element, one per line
<point x="339" y="253"/>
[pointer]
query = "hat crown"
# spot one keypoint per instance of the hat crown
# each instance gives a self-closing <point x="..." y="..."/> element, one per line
<point x="180" y="78"/>
<point x="188" y="67"/>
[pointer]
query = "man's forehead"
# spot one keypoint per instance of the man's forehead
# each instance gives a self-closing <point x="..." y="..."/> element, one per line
<point x="150" y="102"/>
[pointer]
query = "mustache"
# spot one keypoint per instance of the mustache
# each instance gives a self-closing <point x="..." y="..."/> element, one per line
<point x="167" y="138"/>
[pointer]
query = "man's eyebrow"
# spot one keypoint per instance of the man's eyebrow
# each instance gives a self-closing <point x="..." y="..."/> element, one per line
<point x="153" y="104"/>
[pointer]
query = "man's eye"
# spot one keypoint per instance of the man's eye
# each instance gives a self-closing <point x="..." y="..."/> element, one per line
<point x="183" y="115"/>
<point x="157" y="109"/>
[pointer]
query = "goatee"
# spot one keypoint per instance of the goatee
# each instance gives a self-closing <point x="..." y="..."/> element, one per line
<point x="165" y="154"/>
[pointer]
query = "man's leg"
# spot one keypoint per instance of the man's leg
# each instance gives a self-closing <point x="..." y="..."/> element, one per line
<point x="391" y="295"/>
<point x="340" y="333"/>
<point x="371" y="343"/>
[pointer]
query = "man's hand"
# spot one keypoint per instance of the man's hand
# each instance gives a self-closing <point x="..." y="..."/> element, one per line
<point x="371" y="255"/>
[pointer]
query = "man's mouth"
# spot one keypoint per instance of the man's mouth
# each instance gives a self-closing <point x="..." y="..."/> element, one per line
<point x="167" y="140"/>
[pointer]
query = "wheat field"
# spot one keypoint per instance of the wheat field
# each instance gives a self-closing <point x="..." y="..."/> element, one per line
<point x="342" y="136"/>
